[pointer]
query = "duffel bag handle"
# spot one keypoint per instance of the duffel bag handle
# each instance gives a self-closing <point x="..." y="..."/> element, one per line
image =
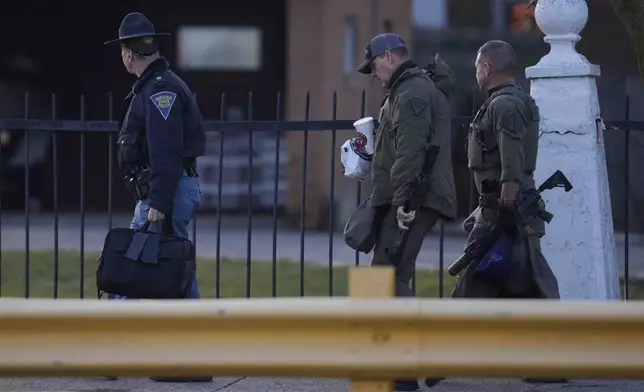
<point x="145" y="243"/>
<point x="159" y="226"/>
<point x="145" y="226"/>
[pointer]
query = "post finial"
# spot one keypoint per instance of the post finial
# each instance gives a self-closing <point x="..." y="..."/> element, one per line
<point x="561" y="21"/>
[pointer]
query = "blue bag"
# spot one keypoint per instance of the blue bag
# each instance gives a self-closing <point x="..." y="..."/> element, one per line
<point x="498" y="264"/>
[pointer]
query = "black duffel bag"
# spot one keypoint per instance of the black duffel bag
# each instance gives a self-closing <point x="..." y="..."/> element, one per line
<point x="146" y="265"/>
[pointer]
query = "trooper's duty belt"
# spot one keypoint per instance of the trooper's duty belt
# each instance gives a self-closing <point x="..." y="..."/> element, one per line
<point x="190" y="172"/>
<point x="137" y="181"/>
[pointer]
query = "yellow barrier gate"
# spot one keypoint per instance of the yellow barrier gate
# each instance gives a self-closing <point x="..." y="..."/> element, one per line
<point x="369" y="340"/>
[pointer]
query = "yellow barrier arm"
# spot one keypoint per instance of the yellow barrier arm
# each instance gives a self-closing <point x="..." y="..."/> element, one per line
<point x="361" y="339"/>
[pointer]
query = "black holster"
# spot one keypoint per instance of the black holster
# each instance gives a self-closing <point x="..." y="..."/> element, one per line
<point x="489" y="201"/>
<point x="138" y="183"/>
<point x="489" y="196"/>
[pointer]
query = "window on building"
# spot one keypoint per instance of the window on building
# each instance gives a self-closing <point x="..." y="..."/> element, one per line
<point x="219" y="48"/>
<point x="430" y="13"/>
<point x="350" y="45"/>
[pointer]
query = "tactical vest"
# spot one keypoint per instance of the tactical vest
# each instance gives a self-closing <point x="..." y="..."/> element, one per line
<point x="481" y="139"/>
<point x="482" y="146"/>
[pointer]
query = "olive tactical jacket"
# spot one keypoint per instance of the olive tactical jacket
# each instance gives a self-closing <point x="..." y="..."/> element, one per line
<point x="504" y="137"/>
<point x="415" y="114"/>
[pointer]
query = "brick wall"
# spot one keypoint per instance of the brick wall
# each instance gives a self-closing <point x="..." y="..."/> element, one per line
<point x="315" y="47"/>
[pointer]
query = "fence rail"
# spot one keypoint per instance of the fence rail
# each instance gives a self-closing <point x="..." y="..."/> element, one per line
<point x="359" y="338"/>
<point x="273" y="189"/>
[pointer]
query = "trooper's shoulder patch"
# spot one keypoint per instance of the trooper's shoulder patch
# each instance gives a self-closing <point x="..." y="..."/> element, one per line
<point x="163" y="101"/>
<point x="417" y="106"/>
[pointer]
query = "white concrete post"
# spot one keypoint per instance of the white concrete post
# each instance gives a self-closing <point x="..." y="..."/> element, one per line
<point x="579" y="243"/>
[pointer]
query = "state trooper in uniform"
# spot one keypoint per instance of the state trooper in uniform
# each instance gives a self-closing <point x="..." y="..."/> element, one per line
<point x="161" y="136"/>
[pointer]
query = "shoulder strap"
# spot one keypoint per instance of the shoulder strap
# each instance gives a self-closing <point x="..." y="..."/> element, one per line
<point x="487" y="103"/>
<point x="384" y="99"/>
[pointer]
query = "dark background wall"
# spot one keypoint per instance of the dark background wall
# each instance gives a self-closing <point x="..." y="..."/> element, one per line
<point x="54" y="46"/>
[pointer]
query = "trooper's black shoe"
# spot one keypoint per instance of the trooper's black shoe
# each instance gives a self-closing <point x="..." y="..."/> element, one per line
<point x="406" y="385"/>
<point x="529" y="380"/>
<point x="431" y="382"/>
<point x="111" y="378"/>
<point x="181" y="379"/>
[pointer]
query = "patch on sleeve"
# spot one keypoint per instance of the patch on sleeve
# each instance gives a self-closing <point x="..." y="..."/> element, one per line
<point x="417" y="106"/>
<point x="163" y="101"/>
<point x="509" y="125"/>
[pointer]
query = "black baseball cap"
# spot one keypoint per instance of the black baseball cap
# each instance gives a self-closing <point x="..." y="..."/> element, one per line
<point x="378" y="46"/>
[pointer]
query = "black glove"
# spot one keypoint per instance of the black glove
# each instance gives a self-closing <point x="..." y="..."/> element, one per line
<point x="508" y="220"/>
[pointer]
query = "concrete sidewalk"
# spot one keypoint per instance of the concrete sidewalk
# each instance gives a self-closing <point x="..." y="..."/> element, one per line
<point x="232" y="384"/>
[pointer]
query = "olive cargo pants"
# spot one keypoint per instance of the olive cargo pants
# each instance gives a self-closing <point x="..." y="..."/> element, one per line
<point x="533" y="277"/>
<point x="425" y="219"/>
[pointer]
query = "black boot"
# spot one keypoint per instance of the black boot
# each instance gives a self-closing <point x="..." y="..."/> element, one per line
<point x="431" y="382"/>
<point x="529" y="380"/>
<point x="406" y="385"/>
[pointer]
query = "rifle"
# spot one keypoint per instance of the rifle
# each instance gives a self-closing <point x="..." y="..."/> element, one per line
<point x="528" y="204"/>
<point x="417" y="192"/>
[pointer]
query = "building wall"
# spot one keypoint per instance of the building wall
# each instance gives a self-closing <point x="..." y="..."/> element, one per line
<point x="317" y="32"/>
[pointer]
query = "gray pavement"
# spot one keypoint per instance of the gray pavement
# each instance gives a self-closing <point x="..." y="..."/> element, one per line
<point x="232" y="384"/>
<point x="319" y="247"/>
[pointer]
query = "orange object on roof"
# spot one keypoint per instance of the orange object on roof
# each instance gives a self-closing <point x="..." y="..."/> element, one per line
<point x="521" y="18"/>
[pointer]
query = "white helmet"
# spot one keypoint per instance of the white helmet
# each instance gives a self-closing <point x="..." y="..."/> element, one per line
<point x="356" y="163"/>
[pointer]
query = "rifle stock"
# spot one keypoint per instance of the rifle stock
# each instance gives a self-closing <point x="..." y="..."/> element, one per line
<point x="417" y="192"/>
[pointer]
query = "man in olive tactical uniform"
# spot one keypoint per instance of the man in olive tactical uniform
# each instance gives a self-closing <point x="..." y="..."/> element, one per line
<point x="415" y="114"/>
<point x="502" y="148"/>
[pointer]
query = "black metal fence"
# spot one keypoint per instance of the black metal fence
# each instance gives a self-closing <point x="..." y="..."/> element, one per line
<point x="250" y="127"/>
